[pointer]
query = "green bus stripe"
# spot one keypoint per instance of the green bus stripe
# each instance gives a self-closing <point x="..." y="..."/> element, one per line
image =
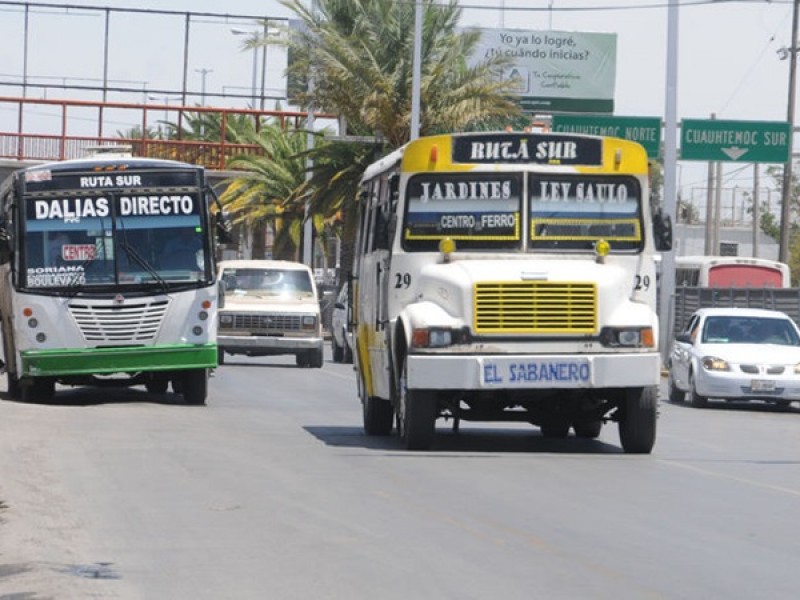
<point x="87" y="361"/>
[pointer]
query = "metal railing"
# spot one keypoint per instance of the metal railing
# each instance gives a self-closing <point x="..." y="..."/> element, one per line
<point x="49" y="130"/>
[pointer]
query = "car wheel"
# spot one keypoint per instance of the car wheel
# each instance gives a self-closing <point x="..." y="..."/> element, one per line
<point x="417" y="415"/>
<point x="336" y="350"/>
<point x="347" y="352"/>
<point x="675" y="395"/>
<point x="588" y="430"/>
<point x="637" y="423"/>
<point x="698" y="401"/>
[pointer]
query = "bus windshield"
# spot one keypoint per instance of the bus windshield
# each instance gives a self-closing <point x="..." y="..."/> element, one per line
<point x="114" y="238"/>
<point x="482" y="211"/>
<point x="573" y="212"/>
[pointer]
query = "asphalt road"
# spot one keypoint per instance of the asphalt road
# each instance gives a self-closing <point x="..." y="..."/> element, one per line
<point x="272" y="491"/>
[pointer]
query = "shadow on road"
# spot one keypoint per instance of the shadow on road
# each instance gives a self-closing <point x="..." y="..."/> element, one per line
<point x="492" y="441"/>
<point x="94" y="396"/>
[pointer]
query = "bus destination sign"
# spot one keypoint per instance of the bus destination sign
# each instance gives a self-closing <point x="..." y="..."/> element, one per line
<point x="545" y="149"/>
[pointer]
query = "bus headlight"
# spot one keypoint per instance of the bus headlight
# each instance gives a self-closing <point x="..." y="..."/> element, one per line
<point x="712" y="363"/>
<point x="627" y="337"/>
<point x="438" y="337"/>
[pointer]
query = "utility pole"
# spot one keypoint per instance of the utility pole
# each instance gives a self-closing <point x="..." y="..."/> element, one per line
<point x="203" y="74"/>
<point x="786" y="192"/>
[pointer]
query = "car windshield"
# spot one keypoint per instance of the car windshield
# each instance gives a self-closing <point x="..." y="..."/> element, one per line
<point x="749" y="330"/>
<point x="260" y="282"/>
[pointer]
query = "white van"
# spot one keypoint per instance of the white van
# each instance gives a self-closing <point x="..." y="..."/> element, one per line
<point x="270" y="307"/>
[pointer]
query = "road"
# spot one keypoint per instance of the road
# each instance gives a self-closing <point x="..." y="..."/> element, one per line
<point x="272" y="491"/>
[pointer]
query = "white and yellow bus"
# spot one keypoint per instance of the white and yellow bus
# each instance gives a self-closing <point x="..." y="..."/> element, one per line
<point x="508" y="277"/>
<point x="108" y="276"/>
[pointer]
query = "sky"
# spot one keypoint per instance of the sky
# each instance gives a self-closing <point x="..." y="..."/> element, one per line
<point x="728" y="62"/>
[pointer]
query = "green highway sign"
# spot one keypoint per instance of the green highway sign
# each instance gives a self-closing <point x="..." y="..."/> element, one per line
<point x="645" y="130"/>
<point x="735" y="141"/>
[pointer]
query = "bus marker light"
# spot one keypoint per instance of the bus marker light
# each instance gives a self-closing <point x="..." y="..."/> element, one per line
<point x="447" y="246"/>
<point x="33" y="323"/>
<point x="41" y="337"/>
<point x="197" y="330"/>
<point x="617" y="159"/>
<point x="202" y="315"/>
<point x="27" y="312"/>
<point x="434" y="157"/>
<point x="206" y="304"/>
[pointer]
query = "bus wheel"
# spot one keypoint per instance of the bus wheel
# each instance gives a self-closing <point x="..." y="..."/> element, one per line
<point x="39" y="390"/>
<point x="194" y="386"/>
<point x="157" y="386"/>
<point x="14" y="390"/>
<point x="637" y="424"/>
<point x="417" y="418"/>
<point x="588" y="430"/>
<point x="555" y="428"/>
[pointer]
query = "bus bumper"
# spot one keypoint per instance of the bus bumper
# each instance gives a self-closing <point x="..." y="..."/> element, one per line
<point x="105" y="361"/>
<point x="503" y="372"/>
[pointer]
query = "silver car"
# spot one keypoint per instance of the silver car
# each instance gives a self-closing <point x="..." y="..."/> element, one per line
<point x="341" y="334"/>
<point x="736" y="354"/>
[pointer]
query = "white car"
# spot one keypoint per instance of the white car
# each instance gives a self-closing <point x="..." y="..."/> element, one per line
<point x="270" y="307"/>
<point x="341" y="334"/>
<point x="736" y="354"/>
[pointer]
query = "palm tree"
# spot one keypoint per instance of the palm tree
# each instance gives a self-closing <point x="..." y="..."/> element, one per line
<point x="272" y="189"/>
<point x="360" y="54"/>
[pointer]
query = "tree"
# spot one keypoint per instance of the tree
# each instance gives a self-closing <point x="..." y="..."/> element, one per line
<point x="772" y="226"/>
<point x="271" y="190"/>
<point x="360" y="53"/>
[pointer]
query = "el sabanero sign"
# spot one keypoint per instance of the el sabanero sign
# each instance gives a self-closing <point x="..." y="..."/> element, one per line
<point x="735" y="141"/>
<point x="644" y="130"/>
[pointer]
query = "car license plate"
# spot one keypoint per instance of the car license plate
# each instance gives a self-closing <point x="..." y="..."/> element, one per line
<point x="762" y="385"/>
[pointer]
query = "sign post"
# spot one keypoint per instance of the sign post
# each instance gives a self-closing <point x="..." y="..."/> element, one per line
<point x="735" y="141"/>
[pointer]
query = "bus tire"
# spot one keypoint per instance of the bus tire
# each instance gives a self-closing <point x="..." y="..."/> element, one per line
<point x="417" y="415"/>
<point x="637" y="423"/>
<point x="588" y="430"/>
<point x="14" y="389"/>
<point x="39" y="390"/>
<point x="194" y="386"/>
<point x="157" y="386"/>
<point x="378" y="416"/>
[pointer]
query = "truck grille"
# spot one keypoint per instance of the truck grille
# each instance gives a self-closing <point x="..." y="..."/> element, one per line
<point x="133" y="323"/>
<point x="535" y="307"/>
<point x="270" y="322"/>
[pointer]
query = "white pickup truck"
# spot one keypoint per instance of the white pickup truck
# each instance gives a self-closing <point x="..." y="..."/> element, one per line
<point x="270" y="307"/>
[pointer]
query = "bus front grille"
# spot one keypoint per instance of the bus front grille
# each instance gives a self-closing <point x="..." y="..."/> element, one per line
<point x="133" y="323"/>
<point x="539" y="307"/>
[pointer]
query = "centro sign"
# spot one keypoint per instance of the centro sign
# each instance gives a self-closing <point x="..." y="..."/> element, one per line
<point x="732" y="141"/>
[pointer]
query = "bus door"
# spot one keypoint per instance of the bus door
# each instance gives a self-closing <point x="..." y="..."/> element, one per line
<point x="373" y="292"/>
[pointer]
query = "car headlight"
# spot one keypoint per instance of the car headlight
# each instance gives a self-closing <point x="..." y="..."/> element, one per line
<point x="628" y="337"/>
<point x="713" y="363"/>
<point x="309" y="321"/>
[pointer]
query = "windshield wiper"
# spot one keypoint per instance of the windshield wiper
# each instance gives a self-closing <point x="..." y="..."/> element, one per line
<point x="144" y="264"/>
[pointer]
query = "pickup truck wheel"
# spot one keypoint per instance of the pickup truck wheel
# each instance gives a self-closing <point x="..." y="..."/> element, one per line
<point x="417" y="415"/>
<point x="637" y="424"/>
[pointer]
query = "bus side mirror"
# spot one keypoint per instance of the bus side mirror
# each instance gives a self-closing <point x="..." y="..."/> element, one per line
<point x="5" y="246"/>
<point x="662" y="231"/>
<point x="224" y="228"/>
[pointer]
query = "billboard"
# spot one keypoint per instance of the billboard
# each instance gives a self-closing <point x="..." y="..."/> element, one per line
<point x="556" y="71"/>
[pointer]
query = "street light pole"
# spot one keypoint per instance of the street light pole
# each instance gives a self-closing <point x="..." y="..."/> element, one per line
<point x="203" y="74"/>
<point x="786" y="192"/>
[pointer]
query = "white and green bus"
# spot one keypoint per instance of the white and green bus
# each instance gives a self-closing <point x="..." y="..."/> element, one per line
<point x="108" y="276"/>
